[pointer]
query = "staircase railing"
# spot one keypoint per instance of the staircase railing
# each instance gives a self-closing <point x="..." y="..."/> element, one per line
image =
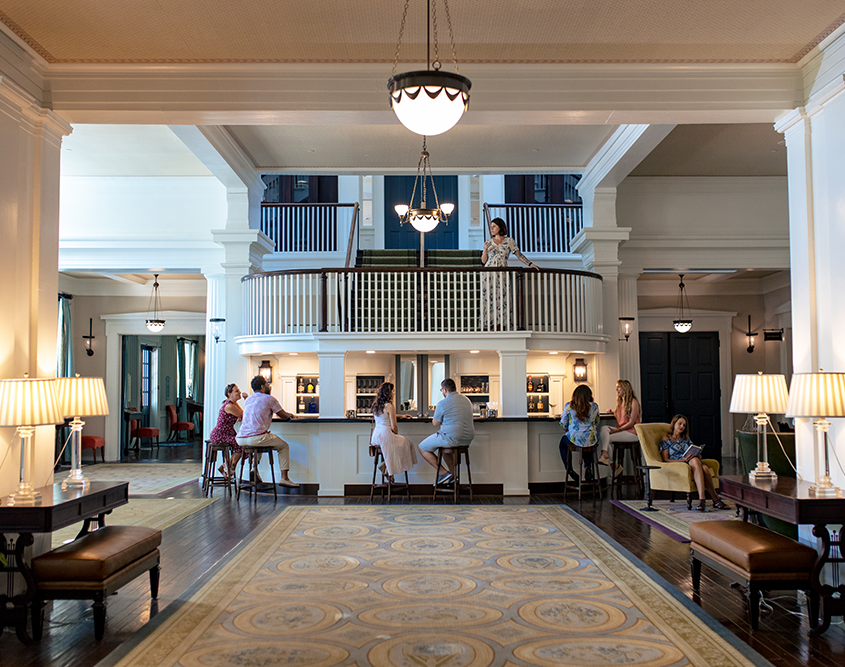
<point x="539" y="228"/>
<point x="309" y="228"/>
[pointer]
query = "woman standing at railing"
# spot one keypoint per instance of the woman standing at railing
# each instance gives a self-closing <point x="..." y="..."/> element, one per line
<point x="496" y="301"/>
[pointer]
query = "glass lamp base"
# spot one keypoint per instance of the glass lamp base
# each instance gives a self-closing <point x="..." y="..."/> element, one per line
<point x="75" y="480"/>
<point x="25" y="498"/>
<point x="762" y="473"/>
<point x="824" y="488"/>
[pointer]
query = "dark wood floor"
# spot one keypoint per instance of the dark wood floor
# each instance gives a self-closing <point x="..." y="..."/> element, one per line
<point x="197" y="543"/>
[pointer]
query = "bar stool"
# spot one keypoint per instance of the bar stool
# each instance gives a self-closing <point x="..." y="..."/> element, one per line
<point x="211" y="476"/>
<point x="458" y="452"/>
<point x="594" y="483"/>
<point x="251" y="456"/>
<point x="619" y="450"/>
<point x="386" y="483"/>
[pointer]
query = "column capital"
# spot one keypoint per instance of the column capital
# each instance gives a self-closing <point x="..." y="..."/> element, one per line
<point x="245" y="249"/>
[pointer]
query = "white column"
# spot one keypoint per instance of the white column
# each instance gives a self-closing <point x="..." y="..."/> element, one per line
<point x="29" y="224"/>
<point x="332" y="384"/>
<point x="629" y="352"/>
<point x="513" y="371"/>
<point x="215" y="352"/>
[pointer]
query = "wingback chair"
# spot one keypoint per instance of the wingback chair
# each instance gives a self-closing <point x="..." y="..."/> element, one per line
<point x="176" y="426"/>
<point x="673" y="475"/>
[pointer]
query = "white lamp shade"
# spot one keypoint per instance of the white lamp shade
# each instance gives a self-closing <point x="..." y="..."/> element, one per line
<point x="759" y="393"/>
<point x="401" y="209"/>
<point x="424" y="223"/>
<point x="429" y="115"/>
<point x="82" y="397"/>
<point x="817" y="395"/>
<point x="447" y="208"/>
<point x="682" y="326"/>
<point x="25" y="402"/>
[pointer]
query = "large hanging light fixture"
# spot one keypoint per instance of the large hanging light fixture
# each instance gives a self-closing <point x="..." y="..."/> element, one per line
<point x="683" y="322"/>
<point x="430" y="101"/>
<point x="423" y="218"/>
<point x="155" y="320"/>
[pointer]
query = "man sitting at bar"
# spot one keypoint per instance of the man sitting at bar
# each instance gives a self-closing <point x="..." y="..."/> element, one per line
<point x="453" y="416"/>
<point x="259" y="409"/>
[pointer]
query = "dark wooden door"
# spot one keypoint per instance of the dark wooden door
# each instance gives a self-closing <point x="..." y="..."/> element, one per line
<point x="397" y="190"/>
<point x="688" y="383"/>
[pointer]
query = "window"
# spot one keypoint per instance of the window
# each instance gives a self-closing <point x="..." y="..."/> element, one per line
<point x="146" y="376"/>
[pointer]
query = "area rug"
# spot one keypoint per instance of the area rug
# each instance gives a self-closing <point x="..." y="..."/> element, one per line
<point x="145" y="479"/>
<point x="434" y="587"/>
<point x="150" y="512"/>
<point x="673" y="519"/>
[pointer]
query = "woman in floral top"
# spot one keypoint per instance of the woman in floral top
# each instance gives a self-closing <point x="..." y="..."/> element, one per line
<point x="580" y="419"/>
<point x="674" y="447"/>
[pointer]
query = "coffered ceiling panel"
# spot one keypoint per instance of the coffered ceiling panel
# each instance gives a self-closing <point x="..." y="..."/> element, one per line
<point x="594" y="31"/>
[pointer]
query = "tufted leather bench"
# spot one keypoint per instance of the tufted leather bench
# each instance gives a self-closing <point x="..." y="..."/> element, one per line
<point x="760" y="558"/>
<point x="94" y="566"/>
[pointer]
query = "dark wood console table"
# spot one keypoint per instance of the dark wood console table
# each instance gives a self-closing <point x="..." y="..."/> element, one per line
<point x="58" y="509"/>
<point x="790" y="500"/>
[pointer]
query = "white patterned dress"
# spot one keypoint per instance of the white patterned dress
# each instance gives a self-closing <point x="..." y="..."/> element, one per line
<point x="497" y="288"/>
<point x="400" y="454"/>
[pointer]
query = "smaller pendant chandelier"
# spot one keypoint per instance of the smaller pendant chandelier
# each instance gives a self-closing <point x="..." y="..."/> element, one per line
<point x="428" y="102"/>
<point x="155" y="321"/>
<point x="683" y="322"/>
<point x="424" y="219"/>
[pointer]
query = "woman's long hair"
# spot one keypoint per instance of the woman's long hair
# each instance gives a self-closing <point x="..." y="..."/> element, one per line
<point x="675" y="419"/>
<point x="385" y="391"/>
<point x="501" y="224"/>
<point x="582" y="399"/>
<point x="627" y="397"/>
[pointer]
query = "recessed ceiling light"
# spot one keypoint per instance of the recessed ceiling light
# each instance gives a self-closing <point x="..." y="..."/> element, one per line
<point x="371" y="351"/>
<point x="473" y="351"/>
<point x="293" y="354"/>
<point x="553" y="352"/>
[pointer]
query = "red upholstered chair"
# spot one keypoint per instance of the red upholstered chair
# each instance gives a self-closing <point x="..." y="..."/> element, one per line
<point x="136" y="431"/>
<point x="177" y="426"/>
<point x="95" y="442"/>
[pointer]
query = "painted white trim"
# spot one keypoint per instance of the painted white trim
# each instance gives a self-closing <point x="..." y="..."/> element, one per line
<point x="720" y="321"/>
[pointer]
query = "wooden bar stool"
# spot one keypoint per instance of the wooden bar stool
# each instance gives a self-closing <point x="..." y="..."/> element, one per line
<point x="386" y="483"/>
<point x="619" y="450"/>
<point x="458" y="452"/>
<point x="211" y="477"/>
<point x="595" y="483"/>
<point x="251" y="456"/>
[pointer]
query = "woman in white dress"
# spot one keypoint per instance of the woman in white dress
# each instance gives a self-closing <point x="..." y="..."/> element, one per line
<point x="400" y="454"/>
<point x="495" y="297"/>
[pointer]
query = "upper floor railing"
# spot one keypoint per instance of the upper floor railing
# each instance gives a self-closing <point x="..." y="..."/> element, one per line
<point x="539" y="227"/>
<point x="426" y="301"/>
<point x="310" y="227"/>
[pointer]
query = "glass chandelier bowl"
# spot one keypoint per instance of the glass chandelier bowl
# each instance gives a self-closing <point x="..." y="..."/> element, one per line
<point x="683" y="322"/>
<point x="424" y="218"/>
<point x="155" y="321"/>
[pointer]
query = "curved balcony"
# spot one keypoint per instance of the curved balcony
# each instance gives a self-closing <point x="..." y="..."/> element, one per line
<point x="435" y="302"/>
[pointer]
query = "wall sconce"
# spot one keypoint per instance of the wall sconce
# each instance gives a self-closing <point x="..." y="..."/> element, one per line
<point x="89" y="337"/>
<point x="750" y="335"/>
<point x="217" y="328"/>
<point x="265" y="370"/>
<point x="626" y="326"/>
<point x="579" y="370"/>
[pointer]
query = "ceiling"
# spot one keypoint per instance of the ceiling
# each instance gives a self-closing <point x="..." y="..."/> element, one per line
<point x="492" y="31"/>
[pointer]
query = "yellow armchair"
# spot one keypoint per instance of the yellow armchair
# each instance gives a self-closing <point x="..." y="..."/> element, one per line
<point x="672" y="475"/>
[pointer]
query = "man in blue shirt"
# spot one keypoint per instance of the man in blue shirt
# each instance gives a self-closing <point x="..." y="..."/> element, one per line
<point x="453" y="416"/>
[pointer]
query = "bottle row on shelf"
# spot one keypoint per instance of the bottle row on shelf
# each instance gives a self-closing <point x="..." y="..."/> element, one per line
<point x="538" y="384"/>
<point x="307" y="384"/>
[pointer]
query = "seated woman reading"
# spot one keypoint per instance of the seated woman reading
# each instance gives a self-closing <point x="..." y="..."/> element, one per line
<point x="674" y="448"/>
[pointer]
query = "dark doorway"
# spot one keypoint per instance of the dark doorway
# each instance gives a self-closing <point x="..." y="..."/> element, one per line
<point x="680" y="375"/>
<point x="397" y="190"/>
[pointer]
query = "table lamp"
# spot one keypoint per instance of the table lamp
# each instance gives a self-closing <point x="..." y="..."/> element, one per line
<point x="26" y="403"/>
<point x="80" y="397"/>
<point x="818" y="396"/>
<point x="760" y="394"/>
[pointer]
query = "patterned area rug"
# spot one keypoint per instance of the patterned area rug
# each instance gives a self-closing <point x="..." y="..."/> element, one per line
<point x="674" y="519"/>
<point x="145" y="479"/>
<point x="434" y="587"/>
<point x="150" y="512"/>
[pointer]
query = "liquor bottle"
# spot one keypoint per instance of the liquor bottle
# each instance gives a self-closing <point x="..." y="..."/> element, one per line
<point x="317" y="387"/>
<point x="540" y="386"/>
<point x="531" y="404"/>
<point x="301" y="408"/>
<point x="530" y="384"/>
<point x="309" y="388"/>
<point x="540" y="407"/>
<point x="300" y="388"/>
<point x="312" y="407"/>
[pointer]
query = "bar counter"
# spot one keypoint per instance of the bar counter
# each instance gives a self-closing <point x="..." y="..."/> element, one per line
<point x="508" y="452"/>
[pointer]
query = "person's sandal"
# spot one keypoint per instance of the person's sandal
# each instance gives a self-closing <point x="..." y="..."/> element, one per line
<point x="702" y="506"/>
<point x="720" y="505"/>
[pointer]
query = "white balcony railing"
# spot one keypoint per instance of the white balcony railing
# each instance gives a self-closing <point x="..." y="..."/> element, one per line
<point x="310" y="228"/>
<point x="426" y="301"/>
<point x="538" y="228"/>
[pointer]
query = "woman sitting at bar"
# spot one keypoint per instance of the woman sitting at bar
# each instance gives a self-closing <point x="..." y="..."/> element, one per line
<point x="674" y="448"/>
<point x="399" y="453"/>
<point x="580" y="419"/>
<point x="627" y="414"/>
<point x="224" y="431"/>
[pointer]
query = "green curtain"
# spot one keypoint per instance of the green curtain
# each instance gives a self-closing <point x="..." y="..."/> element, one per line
<point x="64" y="339"/>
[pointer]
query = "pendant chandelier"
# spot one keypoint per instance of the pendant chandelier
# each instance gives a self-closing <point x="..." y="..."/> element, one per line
<point x="155" y="320"/>
<point x="683" y="322"/>
<point x="430" y="101"/>
<point x="423" y="218"/>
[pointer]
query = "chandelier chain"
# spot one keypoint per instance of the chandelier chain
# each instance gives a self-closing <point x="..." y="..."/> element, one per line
<point x="401" y="33"/>
<point x="436" y="64"/>
<point x="451" y="35"/>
